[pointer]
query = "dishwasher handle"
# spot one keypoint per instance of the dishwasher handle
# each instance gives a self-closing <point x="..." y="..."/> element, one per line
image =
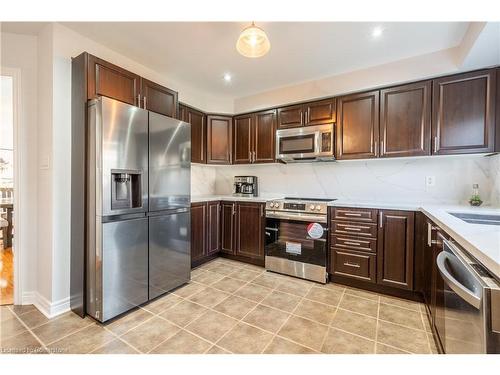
<point x="464" y="293"/>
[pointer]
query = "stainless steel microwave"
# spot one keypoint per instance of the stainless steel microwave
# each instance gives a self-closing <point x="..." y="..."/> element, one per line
<point x="305" y="144"/>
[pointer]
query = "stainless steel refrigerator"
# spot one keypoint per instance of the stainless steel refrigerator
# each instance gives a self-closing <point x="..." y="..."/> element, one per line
<point x="138" y="207"/>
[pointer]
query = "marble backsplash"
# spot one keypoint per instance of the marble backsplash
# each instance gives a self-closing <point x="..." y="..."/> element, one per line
<point x="397" y="180"/>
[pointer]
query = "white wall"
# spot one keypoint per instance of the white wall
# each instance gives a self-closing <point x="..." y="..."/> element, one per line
<point x="411" y="69"/>
<point x="20" y="52"/>
<point x="395" y="180"/>
<point x="495" y="177"/>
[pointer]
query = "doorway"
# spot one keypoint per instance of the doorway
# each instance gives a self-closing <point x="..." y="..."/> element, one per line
<point x="7" y="131"/>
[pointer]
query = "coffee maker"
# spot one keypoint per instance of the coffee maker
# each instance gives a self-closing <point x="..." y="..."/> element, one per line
<point x="245" y="186"/>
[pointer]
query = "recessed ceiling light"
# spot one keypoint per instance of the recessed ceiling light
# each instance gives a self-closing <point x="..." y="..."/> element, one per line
<point x="227" y="77"/>
<point x="377" y="32"/>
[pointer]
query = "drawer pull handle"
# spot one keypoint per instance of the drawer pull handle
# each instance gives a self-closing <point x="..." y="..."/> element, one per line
<point x="351" y="214"/>
<point x="355" y="265"/>
<point x="352" y="243"/>
<point x="352" y="228"/>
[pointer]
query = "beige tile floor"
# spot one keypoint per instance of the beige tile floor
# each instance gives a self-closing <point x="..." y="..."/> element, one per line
<point x="232" y="307"/>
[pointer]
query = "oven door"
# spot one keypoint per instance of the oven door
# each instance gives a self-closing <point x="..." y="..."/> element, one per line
<point x="296" y="240"/>
<point x="461" y="329"/>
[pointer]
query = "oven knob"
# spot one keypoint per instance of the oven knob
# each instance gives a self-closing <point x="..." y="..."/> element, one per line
<point x="318" y="207"/>
<point x="311" y="207"/>
<point x="271" y="204"/>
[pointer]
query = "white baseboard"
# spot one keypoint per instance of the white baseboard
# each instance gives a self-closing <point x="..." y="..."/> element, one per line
<point x="47" y="308"/>
<point x="28" y="298"/>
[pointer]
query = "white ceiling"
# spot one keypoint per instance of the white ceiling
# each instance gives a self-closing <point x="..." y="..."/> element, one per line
<point x="199" y="53"/>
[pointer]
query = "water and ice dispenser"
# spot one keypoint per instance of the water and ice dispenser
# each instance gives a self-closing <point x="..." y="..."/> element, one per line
<point x="126" y="189"/>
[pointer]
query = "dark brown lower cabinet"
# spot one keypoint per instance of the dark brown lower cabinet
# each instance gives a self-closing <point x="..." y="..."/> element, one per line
<point x="213" y="227"/>
<point x="250" y="230"/>
<point x="198" y="231"/>
<point x="205" y="231"/>
<point x="395" y="249"/>
<point x="373" y="246"/>
<point x="227" y="231"/>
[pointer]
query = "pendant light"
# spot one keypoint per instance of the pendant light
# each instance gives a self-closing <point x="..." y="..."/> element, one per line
<point x="253" y="42"/>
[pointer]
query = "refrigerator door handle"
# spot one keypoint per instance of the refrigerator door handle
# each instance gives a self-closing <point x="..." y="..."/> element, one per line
<point x="168" y="212"/>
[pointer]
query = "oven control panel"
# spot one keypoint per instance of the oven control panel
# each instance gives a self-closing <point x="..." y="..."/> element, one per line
<point x="316" y="207"/>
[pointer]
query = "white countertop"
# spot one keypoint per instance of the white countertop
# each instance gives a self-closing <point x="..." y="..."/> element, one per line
<point x="208" y="198"/>
<point x="481" y="241"/>
<point x="403" y="206"/>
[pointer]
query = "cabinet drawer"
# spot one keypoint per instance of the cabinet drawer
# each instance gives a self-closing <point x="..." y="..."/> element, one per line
<point x="367" y="215"/>
<point x="355" y="243"/>
<point x="356" y="265"/>
<point x="354" y="229"/>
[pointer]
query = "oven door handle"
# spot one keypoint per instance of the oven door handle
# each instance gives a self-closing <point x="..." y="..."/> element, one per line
<point x="318" y="219"/>
<point x="454" y="284"/>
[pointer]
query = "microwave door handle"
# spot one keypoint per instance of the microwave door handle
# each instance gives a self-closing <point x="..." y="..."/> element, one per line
<point x="458" y="288"/>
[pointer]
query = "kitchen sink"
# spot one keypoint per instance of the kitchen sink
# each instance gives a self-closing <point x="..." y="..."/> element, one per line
<point x="477" y="218"/>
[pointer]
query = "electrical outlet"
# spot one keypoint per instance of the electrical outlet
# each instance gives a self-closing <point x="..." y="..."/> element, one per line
<point x="430" y="181"/>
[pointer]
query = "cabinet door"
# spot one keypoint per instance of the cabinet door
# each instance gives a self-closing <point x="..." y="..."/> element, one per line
<point x="198" y="231"/>
<point x="182" y="113"/>
<point x="290" y="117"/>
<point x="242" y="153"/>
<point x="357" y="126"/>
<point x="463" y="117"/>
<point x="198" y="135"/>
<point x="395" y="249"/>
<point x="112" y="81"/>
<point x="405" y="120"/>
<point x="158" y="98"/>
<point x="429" y="262"/>
<point x="264" y="133"/>
<point x="213" y="227"/>
<point x="228" y="213"/>
<point x="318" y="113"/>
<point x="250" y="230"/>
<point x="219" y="131"/>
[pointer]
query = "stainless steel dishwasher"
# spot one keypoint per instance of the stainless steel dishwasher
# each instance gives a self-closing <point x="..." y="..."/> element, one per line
<point x="471" y="306"/>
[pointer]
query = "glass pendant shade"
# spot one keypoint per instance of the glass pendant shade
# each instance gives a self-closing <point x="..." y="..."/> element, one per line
<point x="253" y="42"/>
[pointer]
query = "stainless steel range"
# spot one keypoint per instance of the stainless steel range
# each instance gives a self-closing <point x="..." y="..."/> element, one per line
<point x="296" y="237"/>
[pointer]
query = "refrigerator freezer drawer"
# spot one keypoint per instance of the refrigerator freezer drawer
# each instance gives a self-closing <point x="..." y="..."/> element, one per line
<point x="169" y="252"/>
<point x="124" y="266"/>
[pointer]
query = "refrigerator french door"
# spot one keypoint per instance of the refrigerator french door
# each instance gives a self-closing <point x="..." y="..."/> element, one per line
<point x="169" y="204"/>
<point x="138" y="218"/>
<point x="117" y="203"/>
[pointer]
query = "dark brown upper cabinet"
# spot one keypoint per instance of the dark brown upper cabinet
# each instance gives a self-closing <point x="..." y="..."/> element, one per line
<point x="242" y="131"/>
<point x="264" y="131"/>
<point x="319" y="113"/>
<point x="219" y="139"/>
<point x="158" y="98"/>
<point x="290" y="117"/>
<point x="314" y="113"/>
<point x="463" y="111"/>
<point x="395" y="249"/>
<point x="112" y="81"/>
<point x="405" y="120"/>
<point x="254" y="138"/>
<point x="198" y="135"/>
<point x="358" y="126"/>
<point x="182" y="112"/>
